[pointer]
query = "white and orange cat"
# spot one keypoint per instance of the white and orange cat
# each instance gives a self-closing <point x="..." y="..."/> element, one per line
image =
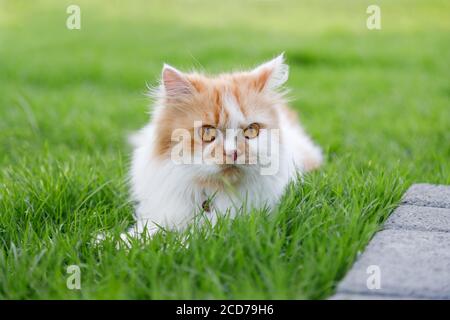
<point x="215" y="145"/>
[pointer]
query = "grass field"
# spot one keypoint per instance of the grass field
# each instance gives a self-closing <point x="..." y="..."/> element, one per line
<point x="377" y="101"/>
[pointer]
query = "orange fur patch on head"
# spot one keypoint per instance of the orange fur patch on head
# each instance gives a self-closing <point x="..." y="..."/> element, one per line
<point x="260" y="81"/>
<point x="197" y="84"/>
<point x="217" y="105"/>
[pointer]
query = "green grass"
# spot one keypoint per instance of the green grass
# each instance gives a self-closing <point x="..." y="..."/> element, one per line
<point x="377" y="101"/>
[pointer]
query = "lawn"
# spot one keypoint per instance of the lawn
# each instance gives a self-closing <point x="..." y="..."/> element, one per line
<point x="376" y="101"/>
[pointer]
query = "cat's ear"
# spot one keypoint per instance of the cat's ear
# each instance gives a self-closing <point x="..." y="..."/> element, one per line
<point x="272" y="74"/>
<point x="175" y="83"/>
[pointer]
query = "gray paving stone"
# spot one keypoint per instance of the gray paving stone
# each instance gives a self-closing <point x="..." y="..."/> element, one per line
<point x="428" y="195"/>
<point x="419" y="218"/>
<point x="414" y="264"/>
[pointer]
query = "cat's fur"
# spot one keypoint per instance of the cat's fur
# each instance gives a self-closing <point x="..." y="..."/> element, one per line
<point x="169" y="194"/>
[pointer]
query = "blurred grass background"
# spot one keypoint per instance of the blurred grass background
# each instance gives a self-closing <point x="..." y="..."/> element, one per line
<point x="377" y="101"/>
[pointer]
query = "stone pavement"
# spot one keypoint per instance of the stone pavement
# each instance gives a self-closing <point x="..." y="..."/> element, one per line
<point x="410" y="257"/>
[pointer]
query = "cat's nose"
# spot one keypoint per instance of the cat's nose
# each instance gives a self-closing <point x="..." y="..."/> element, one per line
<point x="232" y="154"/>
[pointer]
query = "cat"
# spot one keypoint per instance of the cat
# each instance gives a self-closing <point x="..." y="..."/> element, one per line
<point x="205" y="149"/>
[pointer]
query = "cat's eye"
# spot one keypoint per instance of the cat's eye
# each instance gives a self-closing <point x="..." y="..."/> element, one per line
<point x="208" y="133"/>
<point x="252" y="131"/>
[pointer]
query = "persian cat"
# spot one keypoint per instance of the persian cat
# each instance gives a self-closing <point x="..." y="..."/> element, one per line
<point x="216" y="145"/>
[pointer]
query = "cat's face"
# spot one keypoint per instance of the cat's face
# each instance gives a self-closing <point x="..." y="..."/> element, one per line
<point x="223" y="125"/>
